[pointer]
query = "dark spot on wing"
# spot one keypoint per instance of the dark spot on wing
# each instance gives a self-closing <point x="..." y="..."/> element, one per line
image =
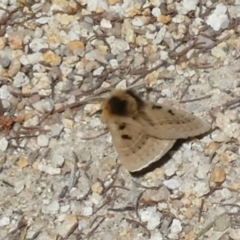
<point x="171" y="112"/>
<point x="121" y="126"/>
<point x="125" y="136"/>
<point x="118" y="106"/>
<point x="139" y="101"/>
<point x="156" y="107"/>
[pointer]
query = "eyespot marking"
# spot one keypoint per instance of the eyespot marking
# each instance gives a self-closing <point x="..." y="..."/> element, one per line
<point x="125" y="136"/>
<point x="171" y="112"/>
<point x="156" y="107"/>
<point x="122" y="126"/>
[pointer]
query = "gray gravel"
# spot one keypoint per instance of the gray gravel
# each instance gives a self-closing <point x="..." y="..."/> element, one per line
<point x="59" y="174"/>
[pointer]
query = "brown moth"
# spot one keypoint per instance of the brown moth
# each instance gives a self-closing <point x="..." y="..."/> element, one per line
<point x="143" y="131"/>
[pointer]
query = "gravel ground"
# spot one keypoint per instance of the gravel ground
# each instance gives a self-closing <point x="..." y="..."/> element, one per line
<point x="59" y="174"/>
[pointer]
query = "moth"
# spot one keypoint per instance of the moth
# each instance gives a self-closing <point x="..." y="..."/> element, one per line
<point x="143" y="131"/>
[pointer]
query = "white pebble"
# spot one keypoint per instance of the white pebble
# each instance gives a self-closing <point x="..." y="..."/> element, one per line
<point x="20" y="80"/>
<point x="4" y="221"/>
<point x="49" y="169"/>
<point x="202" y="171"/>
<point x="172" y="183"/>
<point x="117" y="45"/>
<point x="138" y="22"/>
<point x="42" y="140"/>
<point x="52" y="208"/>
<point x="156" y="12"/>
<point x="151" y="216"/>
<point x="156" y="236"/>
<point x="37" y="44"/>
<point x="160" y="35"/>
<point x="98" y="71"/>
<point x="156" y="3"/>
<point x="114" y="63"/>
<point x="31" y="58"/>
<point x="87" y="211"/>
<point x="218" y="19"/>
<point x="176" y="226"/>
<point x="201" y="188"/>
<point x="186" y="6"/>
<point x="3" y="144"/>
<point x="105" y="23"/>
<point x="57" y="160"/>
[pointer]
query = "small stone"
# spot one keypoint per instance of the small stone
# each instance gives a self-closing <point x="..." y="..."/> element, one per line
<point x="4" y="221"/>
<point x="48" y="169"/>
<point x="31" y="58"/>
<point x="156" y="3"/>
<point x="76" y="45"/>
<point x="105" y="23"/>
<point x="117" y="45"/>
<point x="219" y="52"/>
<point x="43" y="140"/>
<point x="5" y="62"/>
<point x="87" y="211"/>
<point x="211" y="148"/>
<point x="151" y="216"/>
<point x="97" y="187"/>
<point x="19" y="186"/>
<point x="48" y="105"/>
<point x="155" y="196"/>
<point x="156" y="11"/>
<point x="190" y="212"/>
<point x="201" y="188"/>
<point x="67" y="224"/>
<point x="218" y="175"/>
<point x="218" y="19"/>
<point x="65" y="19"/>
<point x="68" y="123"/>
<point x="186" y="6"/>
<point x="22" y="162"/>
<point x="2" y="42"/>
<point x="98" y="71"/>
<point x="222" y="223"/>
<point x="234" y="233"/>
<point x="164" y="19"/>
<point x="52" y="208"/>
<point x="203" y="170"/>
<point x="57" y="160"/>
<point x="156" y="236"/>
<point x="20" y="80"/>
<point x="15" y="41"/>
<point x="3" y="144"/>
<point x="96" y="198"/>
<point x="14" y="67"/>
<point x="176" y="226"/>
<point x="172" y="184"/>
<point x="113" y="2"/>
<point x="160" y="35"/>
<point x="51" y="58"/>
<point x="37" y="44"/>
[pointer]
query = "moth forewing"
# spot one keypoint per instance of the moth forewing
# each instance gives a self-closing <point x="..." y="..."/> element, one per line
<point x="140" y="151"/>
<point x="165" y="122"/>
<point x="143" y="132"/>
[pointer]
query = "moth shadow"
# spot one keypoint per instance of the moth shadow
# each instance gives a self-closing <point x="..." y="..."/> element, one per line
<point x="159" y="163"/>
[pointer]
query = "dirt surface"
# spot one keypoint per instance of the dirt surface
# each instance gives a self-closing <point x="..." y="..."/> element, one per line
<point x="60" y="177"/>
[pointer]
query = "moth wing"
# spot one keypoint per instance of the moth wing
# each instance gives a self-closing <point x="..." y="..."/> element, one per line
<point x="165" y="122"/>
<point x="136" y="150"/>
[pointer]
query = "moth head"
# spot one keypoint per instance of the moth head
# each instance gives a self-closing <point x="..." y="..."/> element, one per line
<point x="121" y="103"/>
